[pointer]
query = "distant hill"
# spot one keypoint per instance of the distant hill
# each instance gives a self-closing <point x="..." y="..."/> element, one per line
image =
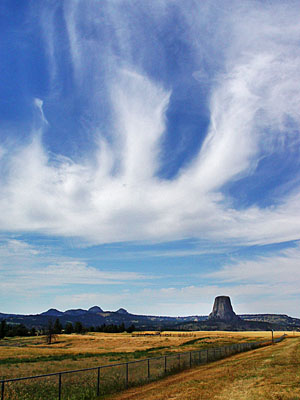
<point x="242" y="325"/>
<point x="221" y="318"/>
<point x="95" y="309"/>
<point x="122" y="311"/>
<point x="52" y="313"/>
<point x="279" y="319"/>
<point x="95" y="316"/>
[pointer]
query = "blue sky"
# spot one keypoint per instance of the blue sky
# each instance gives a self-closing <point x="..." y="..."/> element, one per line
<point x="149" y="155"/>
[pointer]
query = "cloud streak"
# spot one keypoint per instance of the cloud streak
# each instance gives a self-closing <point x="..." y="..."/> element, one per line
<point x="25" y="268"/>
<point x="115" y="193"/>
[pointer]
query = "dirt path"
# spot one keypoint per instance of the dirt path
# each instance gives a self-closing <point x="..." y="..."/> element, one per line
<point x="271" y="373"/>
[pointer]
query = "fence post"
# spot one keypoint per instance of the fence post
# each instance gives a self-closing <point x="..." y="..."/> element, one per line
<point x="178" y="360"/>
<point x="126" y="378"/>
<point x="206" y="356"/>
<point x="59" y="386"/>
<point x="165" y="364"/>
<point x="98" y="382"/>
<point x="148" y="368"/>
<point x="2" y="391"/>
<point x="190" y="359"/>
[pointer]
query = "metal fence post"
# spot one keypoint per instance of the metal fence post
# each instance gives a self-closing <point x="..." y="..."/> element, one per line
<point x="126" y="378"/>
<point x="98" y="382"/>
<point x="190" y="359"/>
<point x="59" y="386"/>
<point x="165" y="364"/>
<point x="148" y="368"/>
<point x="2" y="391"/>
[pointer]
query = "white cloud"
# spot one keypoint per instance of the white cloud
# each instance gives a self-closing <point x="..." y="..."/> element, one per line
<point x="119" y="197"/>
<point x="39" y="104"/>
<point x="280" y="269"/>
<point x="78" y="272"/>
<point x="25" y="268"/>
<point x="14" y="247"/>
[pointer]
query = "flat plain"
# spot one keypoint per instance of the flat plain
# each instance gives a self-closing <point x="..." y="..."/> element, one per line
<point x="20" y="357"/>
<point x="31" y="355"/>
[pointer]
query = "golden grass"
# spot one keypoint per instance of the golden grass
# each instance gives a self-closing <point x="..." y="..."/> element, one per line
<point x="270" y="373"/>
<point x="84" y="351"/>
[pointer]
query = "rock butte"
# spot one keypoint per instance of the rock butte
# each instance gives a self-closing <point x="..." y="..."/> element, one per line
<point x="223" y="311"/>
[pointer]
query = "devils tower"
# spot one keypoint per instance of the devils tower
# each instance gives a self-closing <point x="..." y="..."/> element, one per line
<point x="222" y="310"/>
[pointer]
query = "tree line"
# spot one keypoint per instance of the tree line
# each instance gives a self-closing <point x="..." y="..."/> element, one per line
<point x="56" y="328"/>
<point x="8" y="330"/>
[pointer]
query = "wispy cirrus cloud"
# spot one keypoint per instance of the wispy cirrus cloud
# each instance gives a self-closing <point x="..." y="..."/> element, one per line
<point x="115" y="192"/>
<point x="165" y="132"/>
<point x="25" y="268"/>
<point x="280" y="268"/>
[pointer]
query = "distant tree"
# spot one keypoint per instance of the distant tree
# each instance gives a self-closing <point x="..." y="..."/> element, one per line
<point x="21" y="330"/>
<point x="11" y="330"/>
<point x="16" y="330"/>
<point x="69" y="328"/>
<point x="50" y="334"/>
<point x="32" y="331"/>
<point x="130" y="329"/>
<point x="100" y="328"/>
<point x="112" y="328"/>
<point x="78" y="327"/>
<point x="57" y="326"/>
<point x="3" y="329"/>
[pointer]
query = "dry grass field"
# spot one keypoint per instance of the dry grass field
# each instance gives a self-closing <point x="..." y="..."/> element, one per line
<point x="269" y="373"/>
<point x="31" y="356"/>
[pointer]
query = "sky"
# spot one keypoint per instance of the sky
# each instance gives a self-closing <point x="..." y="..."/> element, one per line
<point x="149" y="155"/>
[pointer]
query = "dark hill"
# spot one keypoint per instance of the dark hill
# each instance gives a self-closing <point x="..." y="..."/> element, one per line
<point x="76" y="312"/>
<point x="95" y="309"/>
<point x="279" y="319"/>
<point x="218" y="325"/>
<point x="52" y="312"/>
<point x="222" y="317"/>
<point x="122" y="311"/>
